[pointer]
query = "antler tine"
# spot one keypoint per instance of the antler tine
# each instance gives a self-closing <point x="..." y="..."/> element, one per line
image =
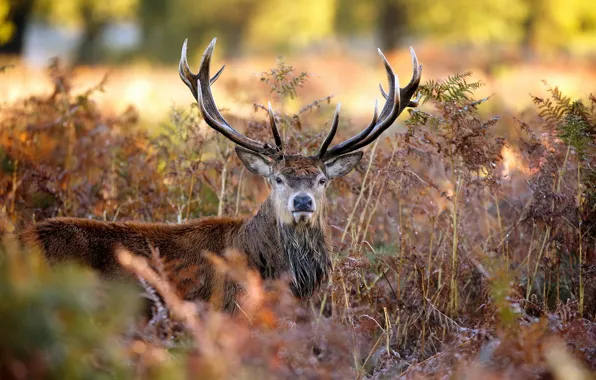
<point x="186" y="74"/>
<point x="333" y="130"/>
<point x="411" y="103"/>
<point x="388" y="108"/>
<point x="211" y="113"/>
<point x="383" y="91"/>
<point x="391" y="109"/>
<point x="200" y="86"/>
<point x="408" y="91"/>
<point x="417" y="69"/>
<point x="331" y="133"/>
<point x="278" y="141"/>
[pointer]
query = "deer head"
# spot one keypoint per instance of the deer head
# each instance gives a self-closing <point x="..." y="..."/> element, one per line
<point x="298" y="182"/>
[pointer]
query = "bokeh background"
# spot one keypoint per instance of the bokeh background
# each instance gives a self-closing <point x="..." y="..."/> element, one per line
<point x="510" y="45"/>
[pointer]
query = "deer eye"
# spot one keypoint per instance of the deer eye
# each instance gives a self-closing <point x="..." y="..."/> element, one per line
<point x="322" y="181"/>
<point x="278" y="180"/>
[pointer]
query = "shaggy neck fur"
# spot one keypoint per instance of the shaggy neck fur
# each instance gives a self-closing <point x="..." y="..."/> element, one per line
<point x="276" y="248"/>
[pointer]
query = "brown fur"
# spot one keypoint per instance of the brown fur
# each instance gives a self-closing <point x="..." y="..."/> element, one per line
<point x="183" y="247"/>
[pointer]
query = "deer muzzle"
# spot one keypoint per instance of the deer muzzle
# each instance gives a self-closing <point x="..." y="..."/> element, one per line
<point x="302" y="205"/>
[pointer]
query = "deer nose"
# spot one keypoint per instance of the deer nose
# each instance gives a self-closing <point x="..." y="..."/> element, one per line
<point x="303" y="202"/>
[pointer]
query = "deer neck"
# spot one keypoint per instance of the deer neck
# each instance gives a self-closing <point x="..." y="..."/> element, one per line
<point x="277" y="248"/>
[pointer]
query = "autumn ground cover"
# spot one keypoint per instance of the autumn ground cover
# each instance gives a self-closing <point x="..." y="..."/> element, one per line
<point x="464" y="243"/>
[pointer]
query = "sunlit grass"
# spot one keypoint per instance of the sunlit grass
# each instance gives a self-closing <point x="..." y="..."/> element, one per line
<point x="352" y="79"/>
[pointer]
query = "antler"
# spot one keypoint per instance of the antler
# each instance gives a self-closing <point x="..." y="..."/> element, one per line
<point x="200" y="86"/>
<point x="397" y="99"/>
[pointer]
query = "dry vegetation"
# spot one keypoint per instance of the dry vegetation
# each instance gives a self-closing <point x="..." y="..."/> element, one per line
<point x="457" y="253"/>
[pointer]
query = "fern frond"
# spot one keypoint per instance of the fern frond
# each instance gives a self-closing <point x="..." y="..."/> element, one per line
<point x="455" y="88"/>
<point x="573" y="122"/>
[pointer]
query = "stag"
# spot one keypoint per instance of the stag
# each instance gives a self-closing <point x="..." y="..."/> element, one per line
<point x="288" y="235"/>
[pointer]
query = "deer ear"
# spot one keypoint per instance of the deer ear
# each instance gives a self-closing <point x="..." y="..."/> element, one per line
<point x="254" y="161"/>
<point x="342" y="165"/>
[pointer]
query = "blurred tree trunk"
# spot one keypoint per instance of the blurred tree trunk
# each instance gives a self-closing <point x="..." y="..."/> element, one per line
<point x="89" y="50"/>
<point x="531" y="38"/>
<point x="18" y="15"/>
<point x="153" y="15"/>
<point x="166" y="23"/>
<point x="542" y="33"/>
<point x="392" y="23"/>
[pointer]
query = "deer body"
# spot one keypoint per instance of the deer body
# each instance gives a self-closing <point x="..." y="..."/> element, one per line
<point x="271" y="249"/>
<point x="288" y="234"/>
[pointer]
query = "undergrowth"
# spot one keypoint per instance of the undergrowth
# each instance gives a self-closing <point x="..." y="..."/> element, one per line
<point x="457" y="252"/>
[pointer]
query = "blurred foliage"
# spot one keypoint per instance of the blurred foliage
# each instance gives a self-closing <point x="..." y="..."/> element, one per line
<point x="538" y="26"/>
<point x="568" y="26"/>
<point x="60" y="323"/>
<point x="470" y="22"/>
<point x="74" y="12"/>
<point x="283" y="24"/>
<point x="91" y="16"/>
<point x="574" y="122"/>
<point x="6" y="27"/>
<point x="165" y="24"/>
<point x="239" y="24"/>
<point x="14" y="17"/>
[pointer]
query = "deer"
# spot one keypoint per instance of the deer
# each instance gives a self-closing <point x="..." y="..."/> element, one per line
<point x="287" y="236"/>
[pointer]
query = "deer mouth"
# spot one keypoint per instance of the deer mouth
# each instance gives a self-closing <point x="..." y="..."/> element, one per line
<point x="302" y="216"/>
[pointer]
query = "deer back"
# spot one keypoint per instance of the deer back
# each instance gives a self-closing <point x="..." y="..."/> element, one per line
<point x="182" y="248"/>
